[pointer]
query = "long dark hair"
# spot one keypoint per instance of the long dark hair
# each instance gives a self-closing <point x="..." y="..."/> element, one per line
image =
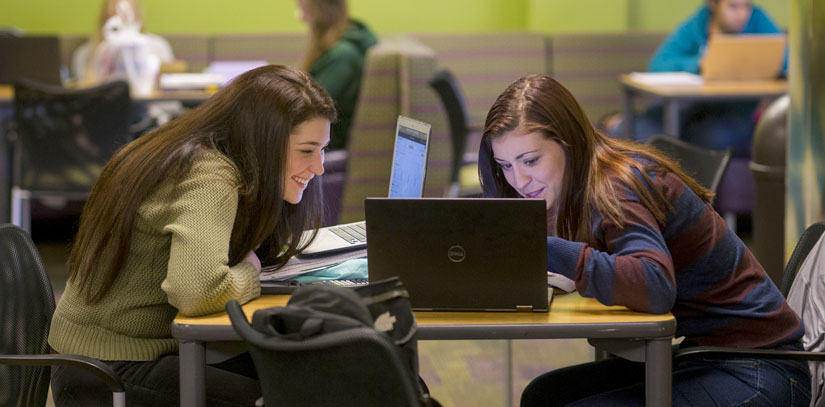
<point x="249" y="122"/>
<point x="595" y="162"/>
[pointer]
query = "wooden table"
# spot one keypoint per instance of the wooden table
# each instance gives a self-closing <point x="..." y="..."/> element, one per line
<point x="632" y="335"/>
<point x="183" y="96"/>
<point x="674" y="95"/>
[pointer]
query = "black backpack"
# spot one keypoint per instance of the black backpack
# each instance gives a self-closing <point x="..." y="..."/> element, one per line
<point x="321" y="309"/>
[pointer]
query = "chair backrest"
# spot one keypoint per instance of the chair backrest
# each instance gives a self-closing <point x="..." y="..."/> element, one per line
<point x="26" y="308"/>
<point x="705" y="165"/>
<point x="354" y="367"/>
<point x="65" y="137"/>
<point x="446" y="86"/>
<point x="803" y="247"/>
<point x="396" y="72"/>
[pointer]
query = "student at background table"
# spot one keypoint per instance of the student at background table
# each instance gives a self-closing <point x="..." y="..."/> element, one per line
<point x="335" y="57"/>
<point x="171" y="226"/>
<point x="631" y="229"/>
<point x="716" y="125"/>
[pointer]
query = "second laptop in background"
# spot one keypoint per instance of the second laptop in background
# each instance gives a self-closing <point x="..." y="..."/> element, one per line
<point x="409" y="169"/>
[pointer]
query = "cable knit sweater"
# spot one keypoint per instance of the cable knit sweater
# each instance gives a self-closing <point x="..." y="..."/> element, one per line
<point x="178" y="261"/>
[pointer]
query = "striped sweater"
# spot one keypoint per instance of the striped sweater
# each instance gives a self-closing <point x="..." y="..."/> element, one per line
<point x="692" y="266"/>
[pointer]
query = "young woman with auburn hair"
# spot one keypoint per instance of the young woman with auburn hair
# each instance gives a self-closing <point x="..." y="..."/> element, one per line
<point x="172" y="224"/>
<point x="632" y="229"/>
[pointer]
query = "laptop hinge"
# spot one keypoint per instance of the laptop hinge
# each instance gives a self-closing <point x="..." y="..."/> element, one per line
<point x="524" y="308"/>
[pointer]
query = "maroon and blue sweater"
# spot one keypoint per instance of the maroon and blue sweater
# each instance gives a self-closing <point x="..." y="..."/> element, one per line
<point x="691" y="265"/>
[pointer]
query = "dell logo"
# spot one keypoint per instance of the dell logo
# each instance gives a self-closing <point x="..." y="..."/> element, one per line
<point x="456" y="254"/>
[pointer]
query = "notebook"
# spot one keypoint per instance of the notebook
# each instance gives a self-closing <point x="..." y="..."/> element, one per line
<point x="35" y="58"/>
<point x="462" y="254"/>
<point x="409" y="167"/>
<point x="743" y="57"/>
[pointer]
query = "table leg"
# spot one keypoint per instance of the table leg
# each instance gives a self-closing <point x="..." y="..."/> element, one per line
<point x="192" y="374"/>
<point x="629" y="113"/>
<point x="658" y="373"/>
<point x="671" y="119"/>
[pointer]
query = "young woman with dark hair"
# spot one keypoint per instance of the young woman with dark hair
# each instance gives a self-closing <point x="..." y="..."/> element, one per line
<point x="630" y="228"/>
<point x="172" y="224"/>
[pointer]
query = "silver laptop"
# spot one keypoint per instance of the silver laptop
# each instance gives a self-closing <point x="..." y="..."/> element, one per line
<point x="409" y="168"/>
<point x="743" y="57"/>
<point x="462" y="254"/>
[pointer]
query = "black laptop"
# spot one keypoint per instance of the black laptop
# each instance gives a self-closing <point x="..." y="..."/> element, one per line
<point x="31" y="57"/>
<point x="462" y="254"/>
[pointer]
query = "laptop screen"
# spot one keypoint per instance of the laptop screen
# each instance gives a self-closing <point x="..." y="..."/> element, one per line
<point x="35" y="58"/>
<point x="409" y="163"/>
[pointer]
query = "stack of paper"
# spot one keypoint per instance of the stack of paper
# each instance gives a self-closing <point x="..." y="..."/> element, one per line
<point x="296" y="266"/>
<point x="667" y="78"/>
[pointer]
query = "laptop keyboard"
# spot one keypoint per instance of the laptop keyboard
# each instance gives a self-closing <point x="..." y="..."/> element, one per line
<point x="354" y="282"/>
<point x="354" y="233"/>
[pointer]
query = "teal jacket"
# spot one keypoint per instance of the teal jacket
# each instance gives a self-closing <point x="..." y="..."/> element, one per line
<point x="339" y="71"/>
<point x="683" y="49"/>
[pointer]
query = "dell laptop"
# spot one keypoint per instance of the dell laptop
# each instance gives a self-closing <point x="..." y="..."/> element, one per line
<point x="409" y="167"/>
<point x="462" y="254"/>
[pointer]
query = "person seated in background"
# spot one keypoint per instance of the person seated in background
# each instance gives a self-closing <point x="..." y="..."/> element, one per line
<point x="335" y="57"/>
<point x="171" y="225"/>
<point x="87" y="66"/>
<point x="632" y="229"/>
<point x="715" y="125"/>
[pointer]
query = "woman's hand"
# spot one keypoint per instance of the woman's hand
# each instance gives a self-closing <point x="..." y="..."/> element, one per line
<point x="251" y="257"/>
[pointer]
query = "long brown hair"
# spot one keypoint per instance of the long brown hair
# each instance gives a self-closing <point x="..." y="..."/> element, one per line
<point x="328" y="20"/>
<point x="595" y="162"/>
<point x="249" y="122"/>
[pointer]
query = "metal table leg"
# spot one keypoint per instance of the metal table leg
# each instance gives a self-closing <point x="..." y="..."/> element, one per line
<point x="671" y="119"/>
<point x="192" y="374"/>
<point x="658" y="373"/>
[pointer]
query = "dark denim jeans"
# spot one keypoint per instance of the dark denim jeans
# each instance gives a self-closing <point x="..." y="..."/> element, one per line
<point x="157" y="383"/>
<point x="711" y="125"/>
<point x="701" y="383"/>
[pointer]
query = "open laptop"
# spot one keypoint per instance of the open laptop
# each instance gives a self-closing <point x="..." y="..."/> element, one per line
<point x="462" y="254"/>
<point x="36" y="58"/>
<point x="409" y="168"/>
<point x="743" y="57"/>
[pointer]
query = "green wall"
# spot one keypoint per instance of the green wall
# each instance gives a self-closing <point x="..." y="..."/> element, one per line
<point x="385" y="16"/>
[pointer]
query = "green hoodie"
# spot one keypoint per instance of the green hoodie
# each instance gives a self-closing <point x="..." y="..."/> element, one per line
<point x="339" y="71"/>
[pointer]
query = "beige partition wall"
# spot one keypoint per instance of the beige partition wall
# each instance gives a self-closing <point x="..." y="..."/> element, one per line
<point x="805" y="182"/>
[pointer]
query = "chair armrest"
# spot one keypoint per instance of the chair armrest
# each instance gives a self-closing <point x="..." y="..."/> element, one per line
<point x="98" y="368"/>
<point x="717" y="352"/>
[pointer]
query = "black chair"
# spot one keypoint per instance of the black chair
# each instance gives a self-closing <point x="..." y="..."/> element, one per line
<point x="357" y="367"/>
<point x="62" y="138"/>
<point x="446" y="86"/>
<point x="705" y="165"/>
<point x="26" y="308"/>
<point x="803" y="247"/>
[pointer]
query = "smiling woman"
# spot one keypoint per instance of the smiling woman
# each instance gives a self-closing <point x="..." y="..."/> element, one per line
<point x="171" y="226"/>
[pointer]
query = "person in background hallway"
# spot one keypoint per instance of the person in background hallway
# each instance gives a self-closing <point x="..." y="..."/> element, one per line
<point x="171" y="225"/>
<point x="631" y="229"/>
<point x="715" y="125"/>
<point x="86" y="65"/>
<point x="335" y="57"/>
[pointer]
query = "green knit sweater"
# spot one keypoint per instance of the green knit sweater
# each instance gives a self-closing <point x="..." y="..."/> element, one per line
<point x="178" y="261"/>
